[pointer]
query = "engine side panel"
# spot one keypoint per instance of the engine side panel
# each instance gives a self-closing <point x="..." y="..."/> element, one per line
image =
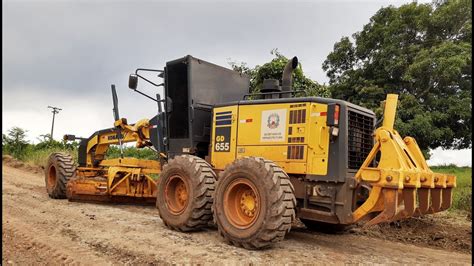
<point x="294" y="135"/>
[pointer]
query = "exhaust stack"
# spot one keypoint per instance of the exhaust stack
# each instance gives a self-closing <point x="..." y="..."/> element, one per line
<point x="286" y="79"/>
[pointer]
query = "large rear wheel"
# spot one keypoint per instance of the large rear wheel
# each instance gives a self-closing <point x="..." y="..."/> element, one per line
<point x="59" y="170"/>
<point x="185" y="193"/>
<point x="254" y="203"/>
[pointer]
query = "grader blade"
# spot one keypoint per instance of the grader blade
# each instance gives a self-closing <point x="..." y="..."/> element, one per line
<point x="400" y="177"/>
<point x="94" y="190"/>
<point x="126" y="180"/>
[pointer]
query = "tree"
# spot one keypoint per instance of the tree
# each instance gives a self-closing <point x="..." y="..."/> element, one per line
<point x="43" y="138"/>
<point x="14" y="142"/>
<point x="421" y="52"/>
<point x="274" y="70"/>
<point x="45" y="142"/>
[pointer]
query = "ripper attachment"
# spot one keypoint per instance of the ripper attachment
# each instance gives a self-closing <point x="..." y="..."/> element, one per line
<point x="400" y="176"/>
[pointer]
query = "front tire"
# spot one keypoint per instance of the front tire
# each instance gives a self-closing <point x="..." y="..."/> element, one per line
<point x="185" y="193"/>
<point x="254" y="203"/>
<point x="59" y="170"/>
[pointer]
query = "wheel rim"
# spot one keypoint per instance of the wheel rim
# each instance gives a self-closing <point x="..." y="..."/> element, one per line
<point x="176" y="194"/>
<point x="242" y="203"/>
<point x="51" y="176"/>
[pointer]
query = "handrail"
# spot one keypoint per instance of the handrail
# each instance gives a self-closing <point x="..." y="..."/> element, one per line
<point x="293" y="92"/>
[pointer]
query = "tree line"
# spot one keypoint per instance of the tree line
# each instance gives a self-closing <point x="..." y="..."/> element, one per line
<point x="420" y="51"/>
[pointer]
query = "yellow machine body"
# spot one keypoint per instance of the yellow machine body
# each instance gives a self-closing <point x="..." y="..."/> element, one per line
<point x="296" y="136"/>
<point x="120" y="179"/>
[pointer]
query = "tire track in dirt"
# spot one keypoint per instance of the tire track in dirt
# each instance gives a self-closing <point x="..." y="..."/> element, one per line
<point x="124" y="234"/>
<point x="79" y="216"/>
<point x="57" y="251"/>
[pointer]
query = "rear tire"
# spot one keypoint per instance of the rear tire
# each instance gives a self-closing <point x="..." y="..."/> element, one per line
<point x="59" y="170"/>
<point x="254" y="203"/>
<point x="185" y="193"/>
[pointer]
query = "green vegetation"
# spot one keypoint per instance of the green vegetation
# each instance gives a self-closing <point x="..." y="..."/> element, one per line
<point x="39" y="157"/>
<point x="274" y="70"/>
<point x="463" y="192"/>
<point x="147" y="154"/>
<point x="14" y="143"/>
<point x="421" y="52"/>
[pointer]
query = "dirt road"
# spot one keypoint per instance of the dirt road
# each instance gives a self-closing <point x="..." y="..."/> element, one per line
<point x="37" y="229"/>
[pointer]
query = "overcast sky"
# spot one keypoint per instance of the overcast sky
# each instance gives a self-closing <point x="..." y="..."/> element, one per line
<point x="67" y="53"/>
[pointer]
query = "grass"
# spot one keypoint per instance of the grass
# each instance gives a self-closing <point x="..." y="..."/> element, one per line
<point x="147" y="154"/>
<point x="462" y="194"/>
<point x="40" y="156"/>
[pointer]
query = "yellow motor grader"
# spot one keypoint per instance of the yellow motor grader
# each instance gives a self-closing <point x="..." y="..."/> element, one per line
<point x="252" y="166"/>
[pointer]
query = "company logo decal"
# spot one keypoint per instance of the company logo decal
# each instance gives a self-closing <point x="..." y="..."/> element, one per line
<point x="273" y="121"/>
<point x="273" y="125"/>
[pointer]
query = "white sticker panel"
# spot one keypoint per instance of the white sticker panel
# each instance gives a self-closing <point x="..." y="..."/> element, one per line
<point x="273" y="127"/>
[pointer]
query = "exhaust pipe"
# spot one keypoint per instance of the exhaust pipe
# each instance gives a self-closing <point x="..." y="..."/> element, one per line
<point x="286" y="79"/>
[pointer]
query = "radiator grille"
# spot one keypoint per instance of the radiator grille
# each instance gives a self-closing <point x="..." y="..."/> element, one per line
<point x="296" y="140"/>
<point x="295" y="152"/>
<point x="360" y="139"/>
<point x="298" y="116"/>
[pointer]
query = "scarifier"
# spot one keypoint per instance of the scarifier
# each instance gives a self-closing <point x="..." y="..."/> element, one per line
<point x="252" y="163"/>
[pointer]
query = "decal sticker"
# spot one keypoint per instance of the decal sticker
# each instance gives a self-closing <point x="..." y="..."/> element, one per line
<point x="248" y="120"/>
<point x="273" y="121"/>
<point x="319" y="114"/>
<point x="273" y="126"/>
<point x="222" y="139"/>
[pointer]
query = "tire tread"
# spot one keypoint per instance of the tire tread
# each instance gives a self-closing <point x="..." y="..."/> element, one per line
<point x="282" y="208"/>
<point x="65" y="171"/>
<point x="202" y="213"/>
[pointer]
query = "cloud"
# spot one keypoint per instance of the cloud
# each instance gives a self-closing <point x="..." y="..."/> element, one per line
<point x="440" y="156"/>
<point x="63" y="45"/>
<point x="55" y="52"/>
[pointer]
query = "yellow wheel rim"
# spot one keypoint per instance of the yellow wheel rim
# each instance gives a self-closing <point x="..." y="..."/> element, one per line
<point x="241" y="203"/>
<point x="176" y="195"/>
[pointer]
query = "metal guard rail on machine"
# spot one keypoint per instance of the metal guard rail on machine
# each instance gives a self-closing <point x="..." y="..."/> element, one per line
<point x="401" y="172"/>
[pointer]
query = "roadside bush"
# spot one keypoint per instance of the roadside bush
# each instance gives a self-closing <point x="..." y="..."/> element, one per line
<point x="39" y="157"/>
<point x="147" y="154"/>
<point x="462" y="194"/>
<point x="14" y="142"/>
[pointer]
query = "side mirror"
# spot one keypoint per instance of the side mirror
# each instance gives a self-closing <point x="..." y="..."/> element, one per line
<point x="69" y="137"/>
<point x="133" y="81"/>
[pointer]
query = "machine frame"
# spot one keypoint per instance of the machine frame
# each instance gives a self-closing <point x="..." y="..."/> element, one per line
<point x="253" y="166"/>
